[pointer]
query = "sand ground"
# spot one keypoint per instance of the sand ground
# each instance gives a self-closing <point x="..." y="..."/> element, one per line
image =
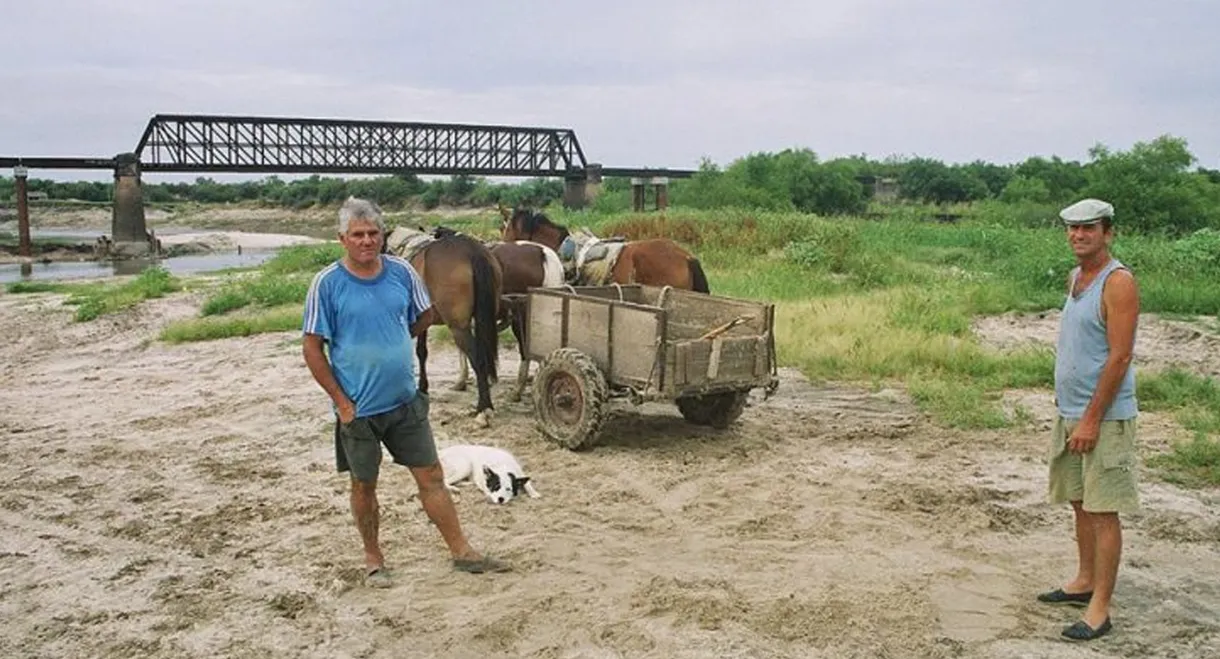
<point x="180" y="501"/>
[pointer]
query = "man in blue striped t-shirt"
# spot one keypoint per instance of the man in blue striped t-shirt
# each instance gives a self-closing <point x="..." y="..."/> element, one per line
<point x="366" y="309"/>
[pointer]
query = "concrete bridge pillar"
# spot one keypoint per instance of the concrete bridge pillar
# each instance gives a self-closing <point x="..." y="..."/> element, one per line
<point x="660" y="186"/>
<point x="637" y="195"/>
<point x="128" y="230"/>
<point x="579" y="192"/>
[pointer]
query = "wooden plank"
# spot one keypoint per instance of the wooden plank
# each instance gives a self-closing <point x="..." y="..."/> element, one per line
<point x="713" y="362"/>
<point x="636" y="333"/>
<point x="589" y="328"/>
<point x="761" y="365"/>
<point x="677" y="377"/>
<point x="544" y="326"/>
<point x="626" y="293"/>
<point x="693" y="314"/>
<point x="734" y="362"/>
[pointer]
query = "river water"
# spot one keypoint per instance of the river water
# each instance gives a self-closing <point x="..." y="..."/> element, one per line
<point x="178" y="265"/>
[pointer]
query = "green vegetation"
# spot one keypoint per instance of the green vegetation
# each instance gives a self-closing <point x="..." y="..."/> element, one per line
<point x="94" y="300"/>
<point x="274" y="319"/>
<point x="268" y="300"/>
<point x="282" y="280"/>
<point x="1153" y="185"/>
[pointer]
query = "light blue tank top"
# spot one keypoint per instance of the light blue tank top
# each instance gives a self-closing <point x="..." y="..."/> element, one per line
<point x="1082" y="353"/>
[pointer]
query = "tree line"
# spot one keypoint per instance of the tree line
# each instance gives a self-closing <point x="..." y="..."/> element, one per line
<point x="1157" y="186"/>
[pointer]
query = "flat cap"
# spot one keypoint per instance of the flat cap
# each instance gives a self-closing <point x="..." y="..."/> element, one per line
<point x="1086" y="211"/>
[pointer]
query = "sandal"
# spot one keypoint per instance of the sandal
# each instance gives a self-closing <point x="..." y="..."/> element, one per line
<point x="378" y="577"/>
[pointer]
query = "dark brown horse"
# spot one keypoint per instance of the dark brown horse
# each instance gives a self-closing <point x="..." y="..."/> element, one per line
<point x="463" y="280"/>
<point x="524" y="265"/>
<point x="652" y="262"/>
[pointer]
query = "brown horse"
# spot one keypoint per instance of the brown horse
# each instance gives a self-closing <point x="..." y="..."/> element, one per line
<point x="463" y="280"/>
<point x="652" y="262"/>
<point x="524" y="265"/>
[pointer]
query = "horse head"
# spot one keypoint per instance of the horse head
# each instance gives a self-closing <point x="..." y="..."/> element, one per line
<point x="525" y="224"/>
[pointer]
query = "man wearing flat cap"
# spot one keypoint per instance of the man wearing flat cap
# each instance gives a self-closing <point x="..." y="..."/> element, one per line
<point x="1092" y="453"/>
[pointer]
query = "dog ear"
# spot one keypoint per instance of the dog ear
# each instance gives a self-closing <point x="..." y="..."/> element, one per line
<point x="519" y="483"/>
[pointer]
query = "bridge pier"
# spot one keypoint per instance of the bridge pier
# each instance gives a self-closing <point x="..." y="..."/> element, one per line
<point x="580" y="191"/>
<point x="128" y="230"/>
<point x="24" y="245"/>
<point x="660" y="185"/>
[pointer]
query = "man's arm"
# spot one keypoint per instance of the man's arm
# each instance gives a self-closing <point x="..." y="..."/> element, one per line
<point x="423" y="313"/>
<point x="1120" y="308"/>
<point x="319" y="367"/>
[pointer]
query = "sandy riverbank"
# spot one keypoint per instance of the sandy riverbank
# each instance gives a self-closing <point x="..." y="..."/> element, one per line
<point x="179" y="501"/>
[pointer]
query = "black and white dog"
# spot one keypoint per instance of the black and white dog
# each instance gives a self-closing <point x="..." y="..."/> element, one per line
<point x="493" y="470"/>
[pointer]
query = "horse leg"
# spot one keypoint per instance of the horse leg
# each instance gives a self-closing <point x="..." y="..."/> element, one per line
<point x="465" y="342"/>
<point x="523" y="371"/>
<point x="421" y="353"/>
<point x="463" y="368"/>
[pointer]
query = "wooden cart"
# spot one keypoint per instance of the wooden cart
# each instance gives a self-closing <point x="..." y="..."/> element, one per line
<point x="595" y="343"/>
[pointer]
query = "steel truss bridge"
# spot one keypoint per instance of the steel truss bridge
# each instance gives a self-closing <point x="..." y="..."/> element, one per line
<point x="211" y="143"/>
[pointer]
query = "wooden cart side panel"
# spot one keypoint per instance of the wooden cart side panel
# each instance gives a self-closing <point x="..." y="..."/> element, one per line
<point x="692" y="314"/>
<point x="729" y="362"/>
<point x="589" y="329"/>
<point x="622" y="338"/>
<point x="635" y="335"/>
<point x="544" y="327"/>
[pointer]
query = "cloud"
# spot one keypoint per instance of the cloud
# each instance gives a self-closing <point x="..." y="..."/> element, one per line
<point x="642" y="83"/>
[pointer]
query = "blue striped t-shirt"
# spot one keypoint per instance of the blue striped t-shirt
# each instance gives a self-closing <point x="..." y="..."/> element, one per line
<point x="367" y="326"/>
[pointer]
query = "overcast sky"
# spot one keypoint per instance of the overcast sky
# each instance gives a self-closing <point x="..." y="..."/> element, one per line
<point x="656" y="83"/>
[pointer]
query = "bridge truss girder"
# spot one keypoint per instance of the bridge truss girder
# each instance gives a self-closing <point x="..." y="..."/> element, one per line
<point x="201" y="143"/>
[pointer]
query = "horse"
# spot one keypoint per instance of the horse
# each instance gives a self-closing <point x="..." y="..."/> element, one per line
<point x="525" y="265"/>
<point x="463" y="280"/>
<point x="589" y="260"/>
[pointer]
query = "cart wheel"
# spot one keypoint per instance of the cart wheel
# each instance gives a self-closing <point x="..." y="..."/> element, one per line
<point x="717" y="410"/>
<point x="570" y="397"/>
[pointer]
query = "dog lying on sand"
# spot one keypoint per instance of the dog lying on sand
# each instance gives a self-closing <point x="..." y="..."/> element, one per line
<point x="494" y="471"/>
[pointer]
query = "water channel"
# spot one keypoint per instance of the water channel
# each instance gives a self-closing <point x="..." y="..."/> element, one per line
<point x="178" y="265"/>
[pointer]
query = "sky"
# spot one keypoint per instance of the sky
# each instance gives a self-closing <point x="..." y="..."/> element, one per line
<point x="644" y="83"/>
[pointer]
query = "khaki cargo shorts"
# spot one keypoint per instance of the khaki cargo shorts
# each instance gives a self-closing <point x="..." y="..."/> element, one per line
<point x="1103" y="479"/>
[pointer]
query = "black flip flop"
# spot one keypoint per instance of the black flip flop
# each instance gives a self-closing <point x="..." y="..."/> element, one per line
<point x="1057" y="596"/>
<point x="1081" y="631"/>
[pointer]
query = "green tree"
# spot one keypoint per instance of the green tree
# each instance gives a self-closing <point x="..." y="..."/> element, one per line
<point x="1152" y="188"/>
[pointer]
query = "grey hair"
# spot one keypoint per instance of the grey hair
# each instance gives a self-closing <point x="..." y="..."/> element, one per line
<point x="359" y="209"/>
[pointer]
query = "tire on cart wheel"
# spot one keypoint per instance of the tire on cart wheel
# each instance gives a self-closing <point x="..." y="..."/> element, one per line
<point x="717" y="410"/>
<point x="570" y="396"/>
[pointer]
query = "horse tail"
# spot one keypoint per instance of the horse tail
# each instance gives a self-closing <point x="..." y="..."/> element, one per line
<point x="697" y="279"/>
<point x="486" y="339"/>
